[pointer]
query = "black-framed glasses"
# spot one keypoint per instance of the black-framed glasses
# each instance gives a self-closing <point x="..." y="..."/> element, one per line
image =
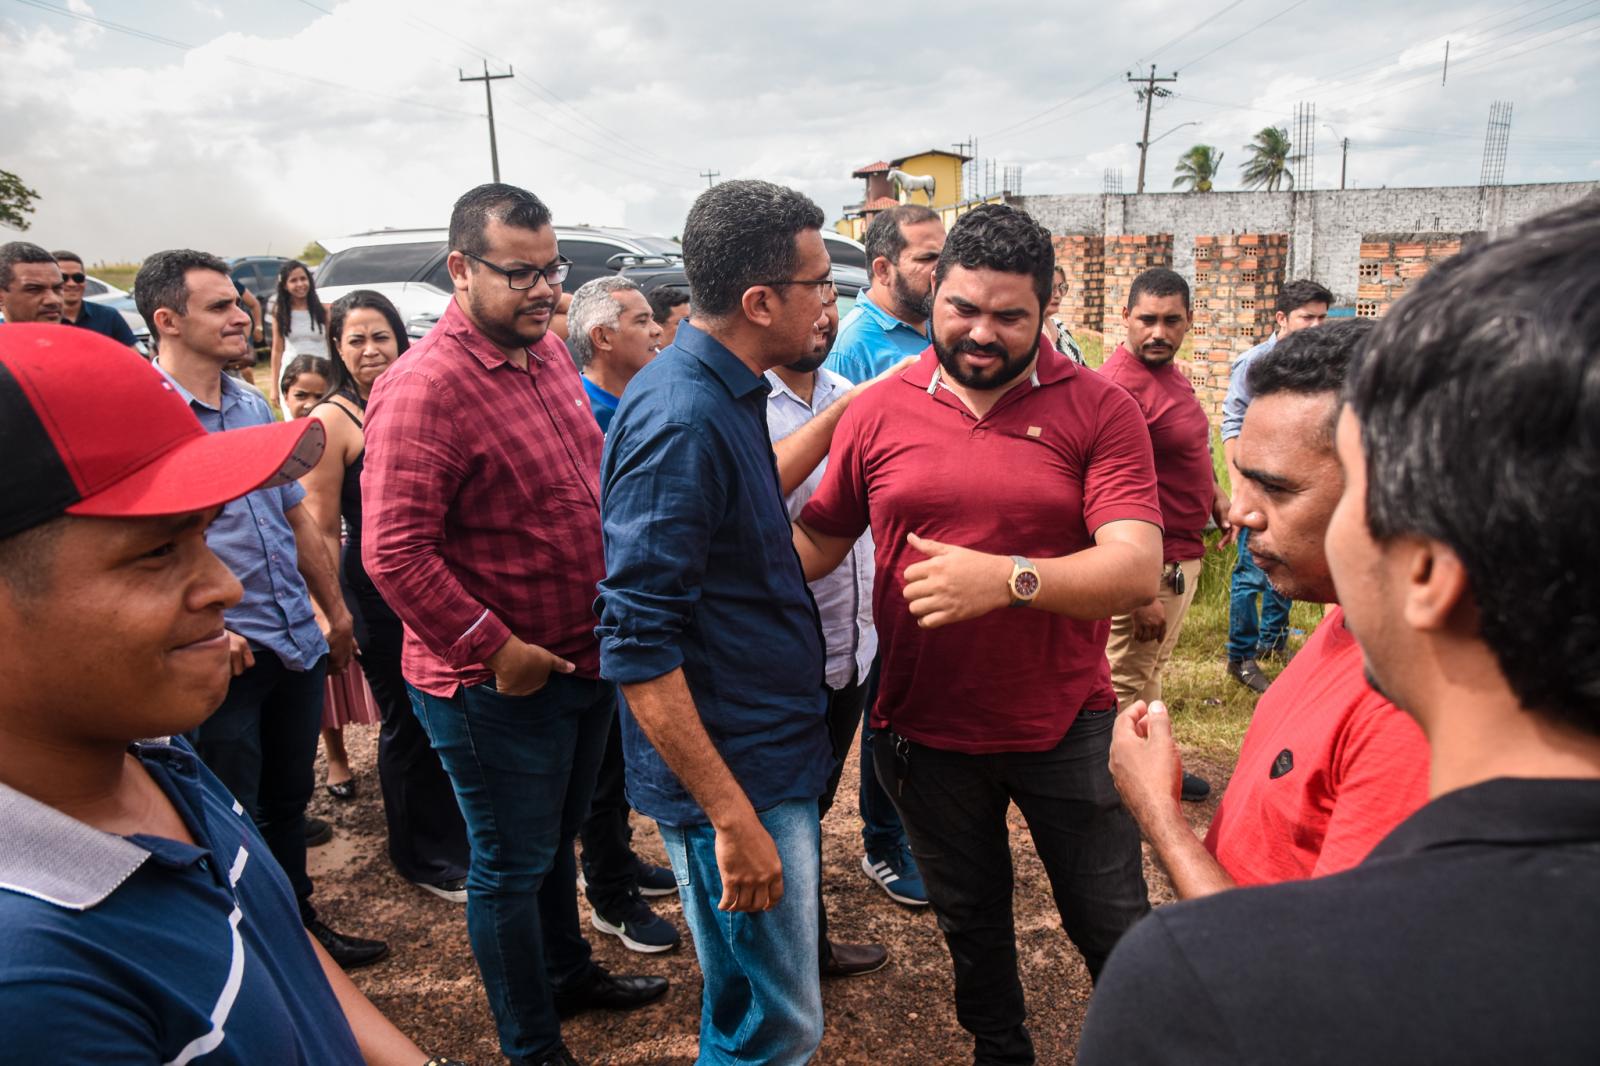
<point x="76" y="279"/>
<point x="525" y="278"/>
<point x="825" y="287"/>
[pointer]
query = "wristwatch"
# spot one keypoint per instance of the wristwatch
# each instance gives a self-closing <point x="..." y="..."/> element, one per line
<point x="1023" y="582"/>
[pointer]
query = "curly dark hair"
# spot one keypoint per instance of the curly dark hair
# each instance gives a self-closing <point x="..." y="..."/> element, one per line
<point x="999" y="237"/>
<point x="1478" y="396"/>
<point x="1309" y="362"/>
<point x="739" y="234"/>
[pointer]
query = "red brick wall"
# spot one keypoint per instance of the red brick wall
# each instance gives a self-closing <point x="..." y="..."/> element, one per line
<point x="1235" y="289"/>
<point x="1126" y="257"/>
<point x="1391" y="262"/>
<point x="1083" y="259"/>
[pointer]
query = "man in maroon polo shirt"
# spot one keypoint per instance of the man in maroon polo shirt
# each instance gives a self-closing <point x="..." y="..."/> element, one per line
<point x="1141" y="641"/>
<point x="996" y="473"/>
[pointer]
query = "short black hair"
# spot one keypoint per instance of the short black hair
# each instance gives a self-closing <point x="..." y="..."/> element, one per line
<point x="1159" y="281"/>
<point x="663" y="300"/>
<point x="739" y="234"/>
<point x="1000" y="237"/>
<point x="64" y="254"/>
<point x="16" y="252"/>
<point x="884" y="236"/>
<point x="1478" y="396"/>
<point x="160" y="283"/>
<point x="1301" y="291"/>
<point x="1310" y="362"/>
<point x="509" y="205"/>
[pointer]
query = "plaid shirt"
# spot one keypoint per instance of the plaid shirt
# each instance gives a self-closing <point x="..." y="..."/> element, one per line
<point x="481" y="492"/>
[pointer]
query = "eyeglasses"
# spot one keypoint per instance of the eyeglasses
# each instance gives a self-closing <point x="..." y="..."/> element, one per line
<point x="525" y="278"/>
<point x="76" y="279"/>
<point x="825" y="287"/>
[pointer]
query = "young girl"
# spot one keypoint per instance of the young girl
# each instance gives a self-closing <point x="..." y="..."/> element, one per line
<point x="304" y="381"/>
<point x="299" y="324"/>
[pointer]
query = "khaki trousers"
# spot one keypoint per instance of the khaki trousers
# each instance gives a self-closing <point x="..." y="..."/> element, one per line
<point x="1136" y="665"/>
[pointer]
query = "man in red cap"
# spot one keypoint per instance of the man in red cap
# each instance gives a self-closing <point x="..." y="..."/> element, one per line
<point x="145" y="918"/>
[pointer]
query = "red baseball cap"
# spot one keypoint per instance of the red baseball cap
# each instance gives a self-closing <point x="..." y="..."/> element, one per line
<point x="89" y="428"/>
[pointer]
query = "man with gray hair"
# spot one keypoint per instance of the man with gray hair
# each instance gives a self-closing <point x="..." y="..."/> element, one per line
<point x="612" y="335"/>
<point x="30" y="283"/>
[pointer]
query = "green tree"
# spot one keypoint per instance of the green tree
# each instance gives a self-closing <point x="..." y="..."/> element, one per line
<point x="312" y="254"/>
<point x="16" y="201"/>
<point x="1269" y="163"/>
<point x="1197" y="168"/>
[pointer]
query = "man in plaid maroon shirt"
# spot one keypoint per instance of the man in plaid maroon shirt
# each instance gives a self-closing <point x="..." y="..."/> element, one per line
<point x="482" y="495"/>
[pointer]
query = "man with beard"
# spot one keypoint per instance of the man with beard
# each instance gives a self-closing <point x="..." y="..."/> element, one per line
<point x="482" y="493"/>
<point x="1328" y="766"/>
<point x="1141" y="641"/>
<point x="1000" y="475"/>
<point x="889" y="320"/>
<point x="1462" y="548"/>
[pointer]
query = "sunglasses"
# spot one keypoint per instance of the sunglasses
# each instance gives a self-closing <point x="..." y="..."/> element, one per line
<point x="76" y="279"/>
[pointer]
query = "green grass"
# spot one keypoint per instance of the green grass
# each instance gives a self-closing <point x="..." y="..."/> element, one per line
<point x="119" y="274"/>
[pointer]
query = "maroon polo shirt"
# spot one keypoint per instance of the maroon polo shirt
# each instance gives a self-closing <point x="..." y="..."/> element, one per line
<point x="1056" y="458"/>
<point x="1180" y="434"/>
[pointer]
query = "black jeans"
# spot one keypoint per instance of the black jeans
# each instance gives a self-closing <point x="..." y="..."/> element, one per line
<point x="610" y="868"/>
<point x="844" y="714"/>
<point x="954" y="808"/>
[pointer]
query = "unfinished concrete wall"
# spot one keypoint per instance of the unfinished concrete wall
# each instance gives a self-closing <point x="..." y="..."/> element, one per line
<point x="1392" y="262"/>
<point x="1126" y="257"/>
<point x="1083" y="258"/>
<point x="1236" y="283"/>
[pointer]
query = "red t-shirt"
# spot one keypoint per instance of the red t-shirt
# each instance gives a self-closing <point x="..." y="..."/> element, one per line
<point x="1180" y="434"/>
<point x="1055" y="459"/>
<point x="1349" y="766"/>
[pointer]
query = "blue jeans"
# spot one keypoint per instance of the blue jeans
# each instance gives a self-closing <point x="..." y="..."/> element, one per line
<point x="1245" y="640"/>
<point x="762" y="1001"/>
<point x="881" y="831"/>
<point x="523" y="768"/>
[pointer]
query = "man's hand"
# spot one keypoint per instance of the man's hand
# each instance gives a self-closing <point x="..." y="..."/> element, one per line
<point x="954" y="584"/>
<point x="1219" y="514"/>
<point x="240" y="657"/>
<point x="340" y="633"/>
<point x="1145" y="763"/>
<point x="747" y="860"/>
<point x="521" y="669"/>
<point x="1150" y="621"/>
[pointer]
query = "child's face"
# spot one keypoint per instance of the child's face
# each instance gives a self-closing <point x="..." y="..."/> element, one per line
<point x="303" y="393"/>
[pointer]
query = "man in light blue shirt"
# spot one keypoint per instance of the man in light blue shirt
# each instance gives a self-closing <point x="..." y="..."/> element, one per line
<point x="1302" y="304"/>
<point x="890" y="320"/>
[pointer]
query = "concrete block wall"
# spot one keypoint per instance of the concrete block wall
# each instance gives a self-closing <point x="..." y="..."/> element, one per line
<point x="1083" y="259"/>
<point x="1391" y="263"/>
<point x="1235" y="289"/>
<point x="1127" y="256"/>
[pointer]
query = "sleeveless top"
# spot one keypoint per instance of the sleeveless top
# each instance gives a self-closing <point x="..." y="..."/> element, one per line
<point x="353" y="572"/>
<point x="301" y="336"/>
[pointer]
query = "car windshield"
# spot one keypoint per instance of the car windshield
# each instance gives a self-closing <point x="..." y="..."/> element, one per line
<point x="659" y="246"/>
<point x="377" y="263"/>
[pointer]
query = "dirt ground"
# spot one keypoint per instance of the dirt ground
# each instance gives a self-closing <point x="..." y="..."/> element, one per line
<point x="903" y="1014"/>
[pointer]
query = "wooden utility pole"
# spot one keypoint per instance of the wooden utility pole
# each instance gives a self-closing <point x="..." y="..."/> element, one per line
<point x="1148" y="94"/>
<point x="711" y="177"/>
<point x="488" y="94"/>
<point x="1344" y="159"/>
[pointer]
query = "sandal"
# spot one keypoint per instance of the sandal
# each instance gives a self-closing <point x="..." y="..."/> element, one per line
<point x="344" y="790"/>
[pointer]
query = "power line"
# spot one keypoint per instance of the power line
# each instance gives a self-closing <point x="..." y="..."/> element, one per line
<point x="1233" y="40"/>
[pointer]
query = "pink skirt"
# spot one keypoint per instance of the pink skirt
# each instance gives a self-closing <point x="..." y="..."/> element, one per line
<point x="349" y="700"/>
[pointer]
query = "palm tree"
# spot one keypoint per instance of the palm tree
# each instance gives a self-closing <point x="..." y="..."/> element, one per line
<point x="1270" y="160"/>
<point x="1198" y="168"/>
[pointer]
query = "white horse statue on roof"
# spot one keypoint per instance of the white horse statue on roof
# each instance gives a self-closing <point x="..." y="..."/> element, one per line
<point x="905" y="184"/>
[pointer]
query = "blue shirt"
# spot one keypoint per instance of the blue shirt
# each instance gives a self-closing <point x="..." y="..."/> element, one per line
<point x="870" y="341"/>
<point x="104" y="320"/>
<point x="601" y="402"/>
<point x="145" y="949"/>
<point x="702" y="574"/>
<point x="252" y="536"/>
<point x="1237" y="401"/>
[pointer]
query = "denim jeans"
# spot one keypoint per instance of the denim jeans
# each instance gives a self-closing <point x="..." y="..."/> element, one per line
<point x="262" y="744"/>
<point x="1245" y="641"/>
<point x="523" y="768"/>
<point x="881" y="830"/>
<point x="954" y="806"/>
<point x="762" y="1001"/>
<point x="610" y="868"/>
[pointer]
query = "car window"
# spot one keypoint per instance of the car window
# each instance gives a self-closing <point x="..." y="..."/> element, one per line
<point x="588" y="260"/>
<point x="846" y="254"/>
<point x="91" y="287"/>
<point x="439" y="276"/>
<point x="377" y="263"/>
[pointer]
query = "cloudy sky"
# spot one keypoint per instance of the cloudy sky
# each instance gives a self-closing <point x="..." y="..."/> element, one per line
<point x="249" y="126"/>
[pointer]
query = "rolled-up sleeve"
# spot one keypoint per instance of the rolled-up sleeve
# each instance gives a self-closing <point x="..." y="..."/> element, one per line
<point x="662" y="498"/>
<point x="412" y="471"/>
<point x="1237" y="401"/>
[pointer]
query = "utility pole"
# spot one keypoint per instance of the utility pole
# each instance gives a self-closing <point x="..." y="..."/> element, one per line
<point x="1344" y="159"/>
<point x="1148" y="94"/>
<point x="966" y="147"/>
<point x="488" y="94"/>
<point x="711" y="177"/>
<point x="1446" y="72"/>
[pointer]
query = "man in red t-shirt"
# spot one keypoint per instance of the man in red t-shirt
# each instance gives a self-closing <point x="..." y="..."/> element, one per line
<point x="1328" y="766"/>
<point x="1141" y="641"/>
<point x="996" y="473"/>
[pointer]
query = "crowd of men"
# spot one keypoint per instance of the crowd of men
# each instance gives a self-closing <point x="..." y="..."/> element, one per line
<point x="675" y="563"/>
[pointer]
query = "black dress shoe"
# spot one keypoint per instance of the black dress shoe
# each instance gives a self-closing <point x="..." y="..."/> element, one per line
<point x="599" y="990"/>
<point x="350" y="952"/>
<point x="853" y="960"/>
<point x="318" y="832"/>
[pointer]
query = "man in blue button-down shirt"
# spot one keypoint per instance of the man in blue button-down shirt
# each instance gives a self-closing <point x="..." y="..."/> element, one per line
<point x="706" y="621"/>
<point x="890" y="319"/>
<point x="262" y="741"/>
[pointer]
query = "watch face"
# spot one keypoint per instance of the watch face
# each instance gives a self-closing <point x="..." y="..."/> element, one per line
<point x="1025" y="584"/>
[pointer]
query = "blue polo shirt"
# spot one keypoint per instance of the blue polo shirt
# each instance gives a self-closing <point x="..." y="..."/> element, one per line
<point x="143" y="949"/>
<point x="104" y="320"/>
<point x="870" y="341"/>
<point x="252" y="536"/>
<point x="702" y="574"/>
<point x="601" y="402"/>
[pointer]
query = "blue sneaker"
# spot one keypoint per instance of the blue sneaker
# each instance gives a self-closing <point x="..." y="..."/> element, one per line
<point x="896" y="872"/>
<point x="655" y="880"/>
<point x="639" y="928"/>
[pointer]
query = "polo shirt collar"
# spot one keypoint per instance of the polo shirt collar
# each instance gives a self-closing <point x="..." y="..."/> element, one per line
<point x="459" y="327"/>
<point x="1506" y="810"/>
<point x="55" y="858"/>
<point x="885" y="320"/>
<point x="826" y="385"/>
<point x="723" y="364"/>
<point x="1051" y="367"/>
<point x="231" y="389"/>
